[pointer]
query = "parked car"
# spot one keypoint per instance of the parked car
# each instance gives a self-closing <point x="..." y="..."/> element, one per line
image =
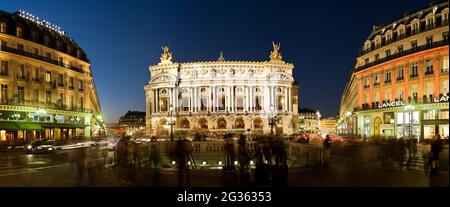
<point x="40" y="146"/>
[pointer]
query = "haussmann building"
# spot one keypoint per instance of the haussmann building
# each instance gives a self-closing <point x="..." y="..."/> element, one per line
<point x="222" y="96"/>
<point x="399" y="87"/>
<point x="47" y="88"/>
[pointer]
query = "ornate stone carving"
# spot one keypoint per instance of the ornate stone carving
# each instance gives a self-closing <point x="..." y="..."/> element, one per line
<point x="221" y="57"/>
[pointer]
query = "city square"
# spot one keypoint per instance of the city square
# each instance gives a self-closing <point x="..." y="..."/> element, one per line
<point x="131" y="100"/>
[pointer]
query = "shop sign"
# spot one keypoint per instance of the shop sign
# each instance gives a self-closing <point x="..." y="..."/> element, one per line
<point x="391" y="104"/>
<point x="440" y="99"/>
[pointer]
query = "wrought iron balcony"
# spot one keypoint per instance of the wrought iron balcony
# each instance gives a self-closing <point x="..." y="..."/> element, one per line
<point x="42" y="58"/>
<point x="404" y="53"/>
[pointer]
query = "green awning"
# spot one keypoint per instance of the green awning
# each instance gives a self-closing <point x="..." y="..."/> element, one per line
<point x="29" y="126"/>
<point x="60" y="125"/>
<point x="8" y="126"/>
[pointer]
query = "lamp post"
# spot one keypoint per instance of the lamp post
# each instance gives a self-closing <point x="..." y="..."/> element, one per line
<point x="272" y="109"/>
<point x="171" y="123"/>
<point x="41" y="113"/>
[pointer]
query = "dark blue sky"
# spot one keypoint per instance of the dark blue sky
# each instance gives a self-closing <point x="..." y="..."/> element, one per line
<point x="122" y="38"/>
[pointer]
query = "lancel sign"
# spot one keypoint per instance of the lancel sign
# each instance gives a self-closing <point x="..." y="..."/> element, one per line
<point x="441" y="99"/>
<point x="391" y="104"/>
<point x="400" y="103"/>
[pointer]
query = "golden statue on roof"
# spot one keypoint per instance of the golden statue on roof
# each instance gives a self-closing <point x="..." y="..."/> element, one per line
<point x="166" y="57"/>
<point x="276" y="54"/>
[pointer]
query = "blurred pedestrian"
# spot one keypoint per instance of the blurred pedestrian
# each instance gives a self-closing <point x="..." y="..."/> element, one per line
<point x="436" y="148"/>
<point x="123" y="165"/>
<point x="80" y="163"/>
<point x="182" y="156"/>
<point x="327" y="150"/>
<point x="414" y="147"/>
<point x="92" y="165"/>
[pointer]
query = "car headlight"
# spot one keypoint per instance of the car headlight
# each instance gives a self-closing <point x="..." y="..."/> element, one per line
<point x="29" y="147"/>
<point x="50" y="149"/>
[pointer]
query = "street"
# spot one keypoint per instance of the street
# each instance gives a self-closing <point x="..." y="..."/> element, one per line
<point x="352" y="165"/>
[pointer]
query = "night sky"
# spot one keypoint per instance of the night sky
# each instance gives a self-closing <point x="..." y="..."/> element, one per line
<point x="122" y="38"/>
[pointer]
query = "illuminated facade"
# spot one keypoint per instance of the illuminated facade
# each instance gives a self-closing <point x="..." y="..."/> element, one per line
<point x="47" y="88"/>
<point x="328" y="125"/>
<point x="222" y="96"/>
<point x="308" y="120"/>
<point x="399" y="87"/>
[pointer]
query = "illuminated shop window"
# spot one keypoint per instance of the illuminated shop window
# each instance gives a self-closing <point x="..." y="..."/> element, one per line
<point x="443" y="114"/>
<point x="428" y="131"/>
<point x="429" y="115"/>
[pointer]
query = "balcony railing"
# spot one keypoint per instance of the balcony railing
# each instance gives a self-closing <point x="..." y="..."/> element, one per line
<point x="42" y="58"/>
<point x="413" y="76"/>
<point x="376" y="84"/>
<point x="400" y="78"/>
<point x="3" y="73"/>
<point x="404" y="53"/>
<point x="21" y="77"/>
<point x="17" y="102"/>
<point x="402" y="36"/>
<point x="429" y="72"/>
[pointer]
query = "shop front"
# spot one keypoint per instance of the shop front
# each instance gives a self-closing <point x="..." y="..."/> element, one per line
<point x="417" y="121"/>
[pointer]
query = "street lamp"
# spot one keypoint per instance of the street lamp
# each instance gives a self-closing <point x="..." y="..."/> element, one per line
<point x="41" y="113"/>
<point x="272" y="109"/>
<point x="171" y="124"/>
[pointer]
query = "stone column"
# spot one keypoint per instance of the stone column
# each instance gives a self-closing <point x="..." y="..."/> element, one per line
<point x="157" y="101"/>
<point x="246" y="98"/>
<point x="232" y="99"/>
<point x="213" y="102"/>
<point x="250" y="98"/>
<point x="285" y="99"/>
<point x="190" y="99"/>
<point x="194" y="99"/>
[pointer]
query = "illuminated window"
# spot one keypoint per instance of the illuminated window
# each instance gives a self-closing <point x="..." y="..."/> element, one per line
<point x="81" y="103"/>
<point x="2" y="27"/>
<point x="429" y="115"/>
<point x="414" y="70"/>
<point x="400" y="73"/>
<point x="19" y="31"/>
<point x="414" y="44"/>
<point x="48" y="77"/>
<point x="428" y="131"/>
<point x="21" y="94"/>
<point x="388" y="77"/>
<point x="4" y="69"/>
<point x="443" y="114"/>
<point x="429" y="67"/>
<point x="71" y="82"/>
<point x="48" y="97"/>
<point x="36" y="95"/>
<point x="4" y="93"/>
<point x="445" y="64"/>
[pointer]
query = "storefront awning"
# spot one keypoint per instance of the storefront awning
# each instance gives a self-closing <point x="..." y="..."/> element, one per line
<point x="60" y="125"/>
<point x="28" y="126"/>
<point x="8" y="126"/>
